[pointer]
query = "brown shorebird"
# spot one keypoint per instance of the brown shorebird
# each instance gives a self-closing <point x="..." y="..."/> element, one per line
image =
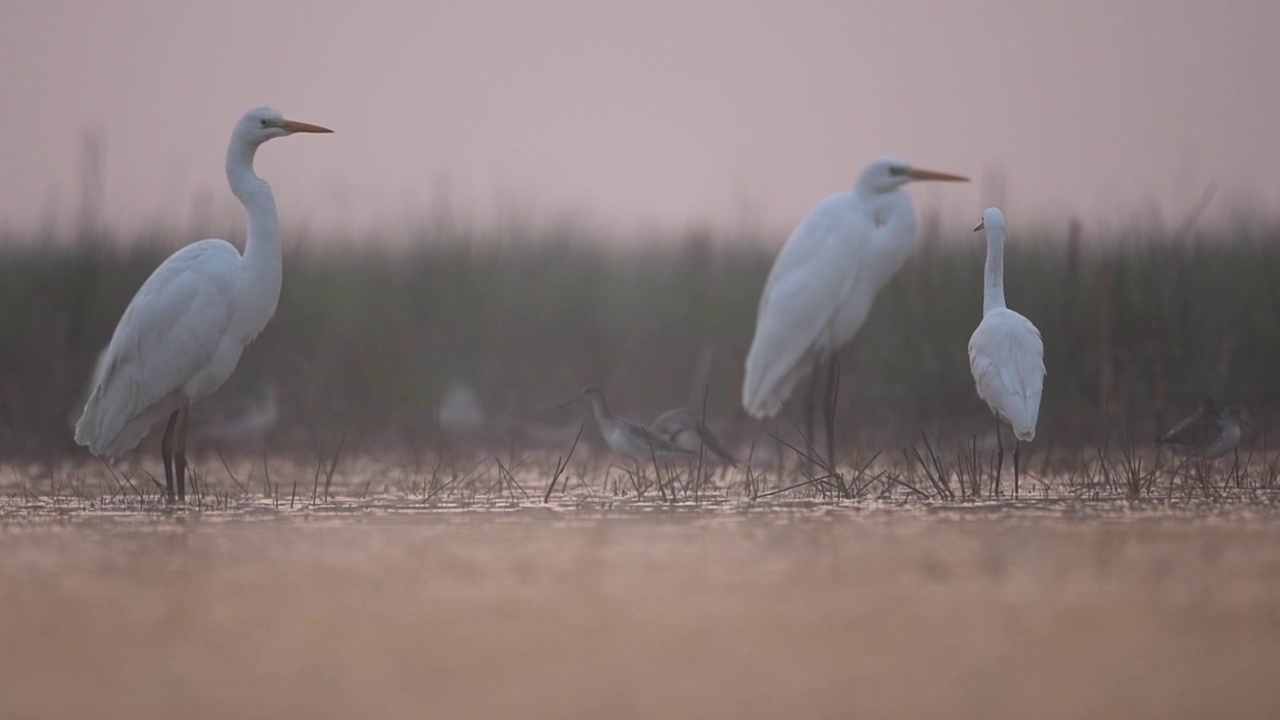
<point x="1208" y="432"/>
<point x="627" y="438"/>
<point x="684" y="428"/>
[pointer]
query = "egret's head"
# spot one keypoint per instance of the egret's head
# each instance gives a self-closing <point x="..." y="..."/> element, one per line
<point x="993" y="220"/>
<point x="264" y="123"/>
<point x="888" y="174"/>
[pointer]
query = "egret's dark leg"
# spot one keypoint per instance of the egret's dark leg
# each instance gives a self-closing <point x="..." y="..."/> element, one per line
<point x="180" y="455"/>
<point x="999" y="454"/>
<point x="810" y="407"/>
<point x="829" y="407"/>
<point x="1017" y="468"/>
<point x="166" y="455"/>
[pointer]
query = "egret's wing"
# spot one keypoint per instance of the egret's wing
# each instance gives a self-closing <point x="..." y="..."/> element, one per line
<point x="170" y="330"/>
<point x="814" y="272"/>
<point x="1006" y="356"/>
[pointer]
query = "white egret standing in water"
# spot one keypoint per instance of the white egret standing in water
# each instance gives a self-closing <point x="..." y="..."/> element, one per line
<point x="182" y="334"/>
<point x="823" y="284"/>
<point x="1006" y="354"/>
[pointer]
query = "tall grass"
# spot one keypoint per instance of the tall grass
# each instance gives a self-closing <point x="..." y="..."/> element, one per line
<point x="1137" y="328"/>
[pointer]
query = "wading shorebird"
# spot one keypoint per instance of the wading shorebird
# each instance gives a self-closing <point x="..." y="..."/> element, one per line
<point x="625" y="437"/>
<point x="182" y="334"/>
<point x="1006" y="354"/>
<point x="684" y="428"/>
<point x="822" y="285"/>
<point x="1208" y="433"/>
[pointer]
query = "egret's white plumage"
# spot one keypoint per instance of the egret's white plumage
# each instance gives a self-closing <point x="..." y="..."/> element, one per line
<point x="460" y="409"/>
<point x="1006" y="354"/>
<point x="182" y="334"/>
<point x="826" y="277"/>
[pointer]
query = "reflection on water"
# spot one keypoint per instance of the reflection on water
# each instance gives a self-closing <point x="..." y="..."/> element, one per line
<point x="786" y="612"/>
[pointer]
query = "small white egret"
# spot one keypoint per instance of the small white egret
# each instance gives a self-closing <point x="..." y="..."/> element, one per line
<point x="824" y="282"/>
<point x="1208" y="433"/>
<point x="684" y="428"/>
<point x="1006" y="354"/>
<point x="628" y="438"/>
<point x="183" y="333"/>
<point x="460" y="410"/>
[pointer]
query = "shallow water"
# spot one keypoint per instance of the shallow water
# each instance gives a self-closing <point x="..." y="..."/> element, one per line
<point x="816" y="611"/>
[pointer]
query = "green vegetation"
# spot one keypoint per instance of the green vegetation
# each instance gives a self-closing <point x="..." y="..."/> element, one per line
<point x="1137" y="328"/>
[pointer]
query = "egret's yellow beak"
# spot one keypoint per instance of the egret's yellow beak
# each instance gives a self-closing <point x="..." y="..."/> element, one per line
<point x="917" y="174"/>
<point x="294" y="126"/>
<point x="981" y="224"/>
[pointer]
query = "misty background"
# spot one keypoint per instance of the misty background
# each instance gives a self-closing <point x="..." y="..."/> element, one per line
<point x="530" y="197"/>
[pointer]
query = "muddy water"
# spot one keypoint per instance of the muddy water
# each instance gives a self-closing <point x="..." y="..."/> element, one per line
<point x="585" y="614"/>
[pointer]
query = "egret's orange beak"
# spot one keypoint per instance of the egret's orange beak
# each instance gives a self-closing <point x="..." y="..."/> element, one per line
<point x="934" y="175"/>
<point x="294" y="126"/>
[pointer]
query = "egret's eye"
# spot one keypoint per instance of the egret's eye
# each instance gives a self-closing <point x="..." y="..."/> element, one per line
<point x="265" y="123"/>
<point x="897" y="171"/>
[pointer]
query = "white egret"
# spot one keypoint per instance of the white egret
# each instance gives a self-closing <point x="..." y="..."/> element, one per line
<point x="628" y="438"/>
<point x="460" y="410"/>
<point x="74" y="414"/>
<point x="824" y="282"/>
<point x="182" y="334"/>
<point x="684" y="428"/>
<point x="1006" y="354"/>
<point x="1208" y="432"/>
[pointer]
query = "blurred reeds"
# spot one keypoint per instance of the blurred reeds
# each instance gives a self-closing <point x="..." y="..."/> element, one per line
<point x="1138" y="326"/>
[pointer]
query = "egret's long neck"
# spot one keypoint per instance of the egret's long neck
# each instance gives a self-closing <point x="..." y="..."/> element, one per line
<point x="262" y="247"/>
<point x="993" y="289"/>
<point x="894" y="219"/>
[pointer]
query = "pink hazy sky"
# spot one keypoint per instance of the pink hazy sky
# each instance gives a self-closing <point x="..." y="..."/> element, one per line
<point x="677" y="113"/>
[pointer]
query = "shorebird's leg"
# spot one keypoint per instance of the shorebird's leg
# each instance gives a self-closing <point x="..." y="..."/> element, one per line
<point x="166" y="456"/>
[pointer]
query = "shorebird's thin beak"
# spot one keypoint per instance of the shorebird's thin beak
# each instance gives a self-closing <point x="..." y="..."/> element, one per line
<point x="917" y="174"/>
<point x="567" y="403"/>
<point x="981" y="224"/>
